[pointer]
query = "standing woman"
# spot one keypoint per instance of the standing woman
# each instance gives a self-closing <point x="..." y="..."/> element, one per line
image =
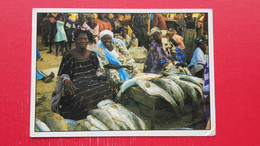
<point x="190" y="26"/>
<point x="91" y="26"/>
<point x="61" y="37"/>
<point x="79" y="89"/>
<point x="103" y="23"/>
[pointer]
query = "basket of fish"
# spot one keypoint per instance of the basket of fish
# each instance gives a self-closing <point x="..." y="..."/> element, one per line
<point x="175" y="90"/>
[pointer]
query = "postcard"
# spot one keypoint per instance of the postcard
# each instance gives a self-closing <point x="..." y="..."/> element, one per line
<point x="122" y="72"/>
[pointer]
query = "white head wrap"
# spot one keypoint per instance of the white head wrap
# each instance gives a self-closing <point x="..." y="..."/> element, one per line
<point x="105" y="32"/>
<point x="153" y="30"/>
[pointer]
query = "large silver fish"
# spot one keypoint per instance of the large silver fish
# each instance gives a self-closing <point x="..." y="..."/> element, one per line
<point x="119" y="116"/>
<point x="177" y="93"/>
<point x="129" y="114"/>
<point x="97" y="123"/>
<point x="190" y="79"/>
<point x="162" y="84"/>
<point x="197" y="88"/>
<point x="104" y="102"/>
<point x="91" y="127"/>
<point x="152" y="89"/>
<point x="188" y="89"/>
<point x="132" y="82"/>
<point x="105" y="118"/>
<point x="41" y="126"/>
<point x="139" y="121"/>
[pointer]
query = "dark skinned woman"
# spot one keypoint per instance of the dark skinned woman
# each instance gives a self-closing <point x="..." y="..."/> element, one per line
<point x="114" y="57"/>
<point x="79" y="89"/>
<point x="156" y="59"/>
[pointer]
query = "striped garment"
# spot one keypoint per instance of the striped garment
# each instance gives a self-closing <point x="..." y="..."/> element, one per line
<point x="206" y="78"/>
<point x="90" y="90"/>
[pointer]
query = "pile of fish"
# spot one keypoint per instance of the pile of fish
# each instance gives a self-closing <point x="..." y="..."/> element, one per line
<point x="175" y="89"/>
<point x="113" y="116"/>
<point x="108" y="116"/>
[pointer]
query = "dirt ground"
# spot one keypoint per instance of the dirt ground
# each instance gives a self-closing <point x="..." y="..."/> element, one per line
<point x="44" y="91"/>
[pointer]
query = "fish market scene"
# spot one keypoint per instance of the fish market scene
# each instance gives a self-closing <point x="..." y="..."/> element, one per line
<point x="122" y="71"/>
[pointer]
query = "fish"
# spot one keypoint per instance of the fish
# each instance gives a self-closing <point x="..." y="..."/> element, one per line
<point x="187" y="71"/>
<point x="90" y="126"/>
<point x="178" y="94"/>
<point x="71" y="124"/>
<point x="152" y="89"/>
<point x="132" y="82"/>
<point x="97" y="123"/>
<point x="199" y="80"/>
<point x="80" y="126"/>
<point x="105" y="118"/>
<point x="104" y="102"/>
<point x="127" y="84"/>
<point x="55" y="122"/>
<point x="41" y="126"/>
<point x="188" y="89"/>
<point x="139" y="121"/>
<point x="120" y="116"/>
<point x="128" y="114"/>
<point x="162" y="84"/>
<point x="122" y="125"/>
<point x="190" y="79"/>
<point x="197" y="88"/>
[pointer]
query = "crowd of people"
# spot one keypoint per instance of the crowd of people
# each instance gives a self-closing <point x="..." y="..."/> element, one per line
<point x="101" y="55"/>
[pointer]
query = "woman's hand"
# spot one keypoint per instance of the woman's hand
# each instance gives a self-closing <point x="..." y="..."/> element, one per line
<point x="69" y="87"/>
<point x="130" y="67"/>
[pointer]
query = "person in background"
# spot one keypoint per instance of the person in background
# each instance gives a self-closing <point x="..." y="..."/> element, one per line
<point x="159" y="21"/>
<point x="79" y="88"/>
<point x="91" y="26"/>
<point x="52" y="29"/>
<point x="118" y="65"/>
<point x="127" y="40"/>
<point x="69" y="28"/>
<point x="190" y="26"/>
<point x="44" y="29"/>
<point x="198" y="61"/>
<point x="157" y="58"/>
<point x="103" y="23"/>
<point x="140" y="27"/>
<point x="61" y="37"/>
<point x="177" y="41"/>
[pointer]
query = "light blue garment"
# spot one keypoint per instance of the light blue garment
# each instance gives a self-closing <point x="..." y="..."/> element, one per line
<point x="103" y="52"/>
<point x="39" y="75"/>
<point x="180" y="55"/>
<point x="60" y="35"/>
<point x="198" y="56"/>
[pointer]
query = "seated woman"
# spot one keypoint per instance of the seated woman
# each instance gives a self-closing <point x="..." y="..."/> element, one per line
<point x="198" y="60"/>
<point x="79" y="89"/>
<point x="156" y="59"/>
<point x="118" y="64"/>
<point x="127" y="40"/>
